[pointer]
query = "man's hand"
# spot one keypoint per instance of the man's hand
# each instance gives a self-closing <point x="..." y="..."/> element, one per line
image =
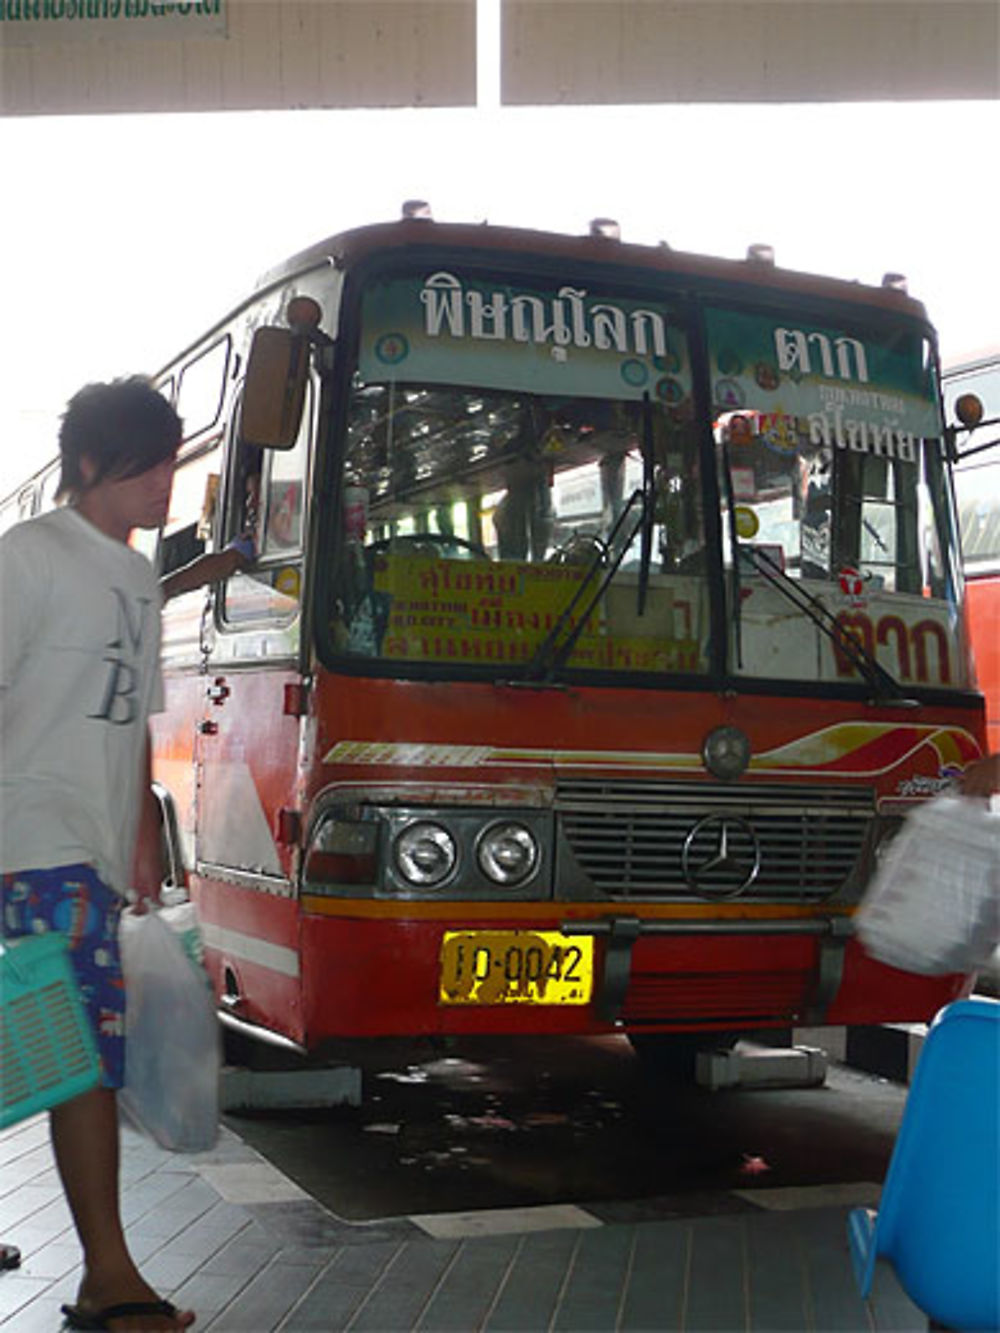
<point x="243" y="547"/>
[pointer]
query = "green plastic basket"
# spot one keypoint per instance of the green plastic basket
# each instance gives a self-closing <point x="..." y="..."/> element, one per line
<point x="47" y="1050"/>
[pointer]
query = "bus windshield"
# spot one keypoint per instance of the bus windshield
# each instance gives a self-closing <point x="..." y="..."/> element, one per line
<point x="834" y="478"/>
<point x="535" y="479"/>
<point x="491" y="481"/>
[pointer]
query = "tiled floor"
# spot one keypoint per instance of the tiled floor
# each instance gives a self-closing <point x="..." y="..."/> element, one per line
<point x="225" y="1234"/>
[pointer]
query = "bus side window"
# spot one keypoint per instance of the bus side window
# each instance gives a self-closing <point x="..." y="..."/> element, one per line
<point x="977" y="489"/>
<point x="180" y="548"/>
<point x="187" y="533"/>
<point x="47" y="490"/>
<point x="17" y="508"/>
<point x="283" y="508"/>
<point x="26" y="504"/>
<point x="271" y="511"/>
<point x="201" y="390"/>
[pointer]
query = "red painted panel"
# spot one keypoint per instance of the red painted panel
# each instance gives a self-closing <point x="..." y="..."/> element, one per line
<point x="375" y="978"/>
<point x="251" y="939"/>
<point x="870" y="988"/>
<point x="983" y="602"/>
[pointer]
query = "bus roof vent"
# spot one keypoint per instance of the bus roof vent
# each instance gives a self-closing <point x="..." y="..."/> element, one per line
<point x="417" y="208"/>
<point x="760" y="254"/>
<point x="896" y="282"/>
<point x="607" y="228"/>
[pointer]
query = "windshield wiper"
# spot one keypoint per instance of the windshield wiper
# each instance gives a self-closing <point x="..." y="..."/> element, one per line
<point x="537" y="669"/>
<point x="734" y="542"/>
<point x="649" y="505"/>
<point x="887" y="689"/>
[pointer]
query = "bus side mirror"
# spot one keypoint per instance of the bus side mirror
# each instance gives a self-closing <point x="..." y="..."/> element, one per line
<point x="274" y="389"/>
<point x="969" y="410"/>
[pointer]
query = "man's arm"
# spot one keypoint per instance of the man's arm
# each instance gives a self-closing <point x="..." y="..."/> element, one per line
<point x="147" y="865"/>
<point x="211" y="568"/>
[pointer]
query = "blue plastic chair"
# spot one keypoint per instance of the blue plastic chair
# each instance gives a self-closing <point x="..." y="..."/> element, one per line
<point x="938" y="1222"/>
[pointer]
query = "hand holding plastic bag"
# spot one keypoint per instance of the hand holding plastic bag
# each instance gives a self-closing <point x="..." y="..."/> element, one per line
<point x="933" y="907"/>
<point x="172" y="1046"/>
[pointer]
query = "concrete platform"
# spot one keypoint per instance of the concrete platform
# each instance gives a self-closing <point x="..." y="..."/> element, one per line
<point x="228" y="1235"/>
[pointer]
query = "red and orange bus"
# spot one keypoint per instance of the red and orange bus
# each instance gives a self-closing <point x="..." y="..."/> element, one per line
<point x="977" y="487"/>
<point x="608" y="617"/>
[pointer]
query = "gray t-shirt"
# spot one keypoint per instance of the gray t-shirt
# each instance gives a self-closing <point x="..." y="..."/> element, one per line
<point x="79" y="676"/>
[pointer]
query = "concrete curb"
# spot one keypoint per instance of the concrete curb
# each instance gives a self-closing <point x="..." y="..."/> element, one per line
<point x="888" y="1050"/>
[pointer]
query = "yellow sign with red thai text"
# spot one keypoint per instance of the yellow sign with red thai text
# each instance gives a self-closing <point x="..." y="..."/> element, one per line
<point x="501" y="612"/>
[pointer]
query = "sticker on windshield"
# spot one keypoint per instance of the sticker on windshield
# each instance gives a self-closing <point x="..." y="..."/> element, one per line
<point x="747" y="522"/>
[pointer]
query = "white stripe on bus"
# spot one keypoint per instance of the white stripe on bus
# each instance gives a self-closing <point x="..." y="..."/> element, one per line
<point x="251" y="949"/>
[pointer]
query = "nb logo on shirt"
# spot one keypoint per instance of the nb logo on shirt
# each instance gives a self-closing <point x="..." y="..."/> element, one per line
<point x="120" y="706"/>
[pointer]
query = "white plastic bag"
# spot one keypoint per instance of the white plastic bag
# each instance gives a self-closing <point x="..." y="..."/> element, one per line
<point x="933" y="906"/>
<point x="179" y="914"/>
<point x="172" y="1044"/>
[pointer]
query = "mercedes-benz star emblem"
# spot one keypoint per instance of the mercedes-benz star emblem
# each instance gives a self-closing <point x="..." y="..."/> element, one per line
<point x="721" y="857"/>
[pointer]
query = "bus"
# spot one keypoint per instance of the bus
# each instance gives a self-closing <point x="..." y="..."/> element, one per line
<point x="977" y="487"/>
<point x="607" y="619"/>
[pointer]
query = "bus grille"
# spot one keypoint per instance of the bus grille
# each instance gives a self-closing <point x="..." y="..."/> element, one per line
<point x="628" y="837"/>
<point x="738" y="997"/>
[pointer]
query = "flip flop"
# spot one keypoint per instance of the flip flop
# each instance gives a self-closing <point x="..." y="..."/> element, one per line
<point x="98" y="1319"/>
<point x="10" y="1257"/>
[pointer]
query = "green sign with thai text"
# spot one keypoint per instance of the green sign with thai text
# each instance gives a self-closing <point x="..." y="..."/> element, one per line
<point x="442" y="328"/>
<point x="867" y="393"/>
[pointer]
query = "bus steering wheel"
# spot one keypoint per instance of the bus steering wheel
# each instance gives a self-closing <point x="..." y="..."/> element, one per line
<point x="439" y="539"/>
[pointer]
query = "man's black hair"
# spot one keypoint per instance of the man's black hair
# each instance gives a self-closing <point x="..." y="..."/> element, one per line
<point x="124" y="428"/>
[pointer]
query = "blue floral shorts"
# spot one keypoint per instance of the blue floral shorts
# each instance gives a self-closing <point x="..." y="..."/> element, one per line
<point x="74" y="901"/>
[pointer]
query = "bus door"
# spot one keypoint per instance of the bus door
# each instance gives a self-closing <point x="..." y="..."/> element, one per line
<point x="248" y="741"/>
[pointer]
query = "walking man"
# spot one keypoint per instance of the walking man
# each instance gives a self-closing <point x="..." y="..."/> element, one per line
<point x="79" y="676"/>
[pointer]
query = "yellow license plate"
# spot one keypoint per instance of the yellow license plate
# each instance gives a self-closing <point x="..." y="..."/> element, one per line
<point x="516" y="967"/>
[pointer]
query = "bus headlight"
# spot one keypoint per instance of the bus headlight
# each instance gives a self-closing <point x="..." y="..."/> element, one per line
<point x="507" y="853"/>
<point x="426" y="854"/>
